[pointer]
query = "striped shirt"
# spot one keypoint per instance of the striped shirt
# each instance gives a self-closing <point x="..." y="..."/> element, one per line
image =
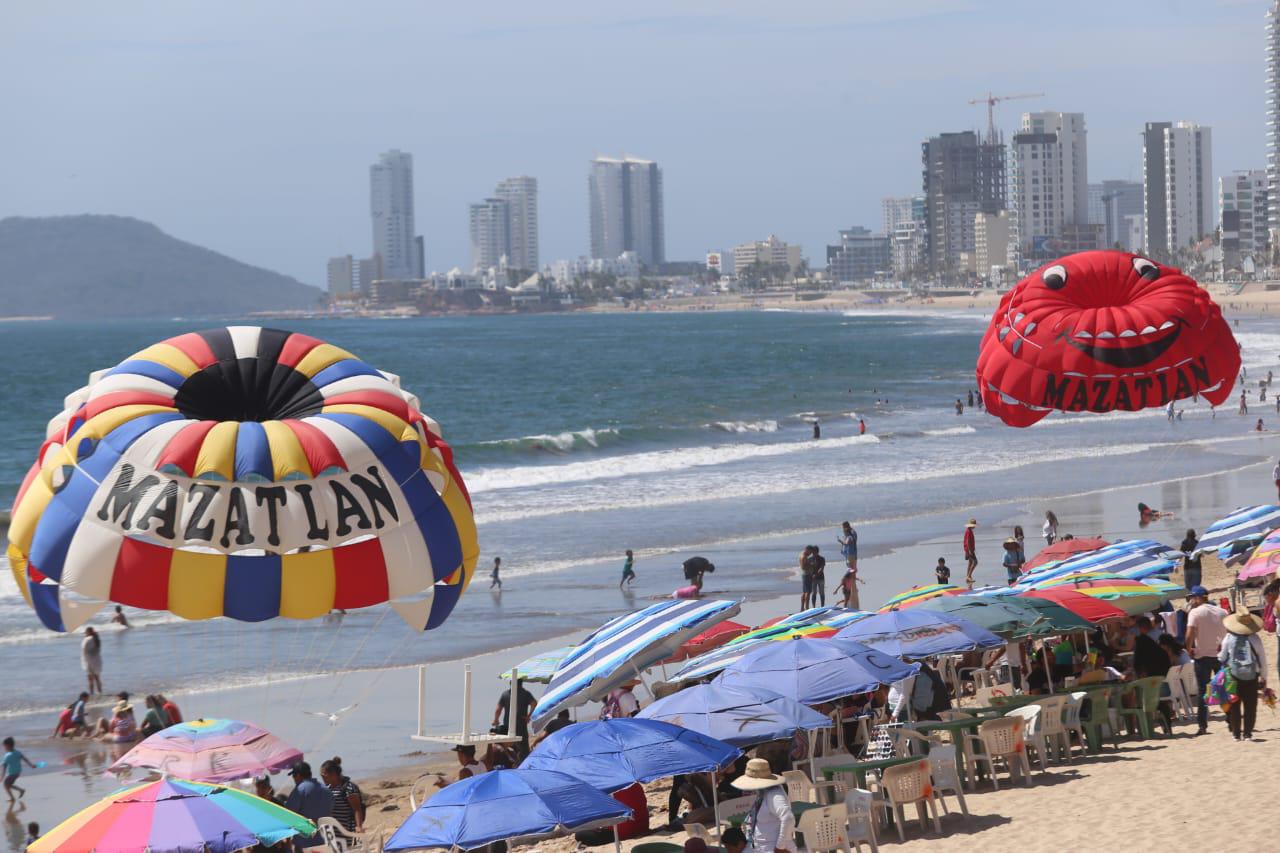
<point x="342" y="813"/>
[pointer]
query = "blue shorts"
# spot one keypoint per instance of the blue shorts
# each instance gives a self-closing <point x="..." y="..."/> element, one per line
<point x="808" y="581"/>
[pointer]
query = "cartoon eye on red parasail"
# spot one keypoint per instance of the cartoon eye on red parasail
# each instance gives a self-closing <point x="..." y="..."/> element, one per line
<point x="1104" y="331"/>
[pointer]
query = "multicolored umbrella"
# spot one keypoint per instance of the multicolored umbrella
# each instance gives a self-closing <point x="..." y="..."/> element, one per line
<point x="715" y="661"/>
<point x="1134" y="558"/>
<point x="1061" y="550"/>
<point x="1133" y="597"/>
<point x="710" y="639"/>
<point x="917" y="594"/>
<point x="541" y="667"/>
<point x="1265" y="560"/>
<point x="174" y="816"/>
<point x="210" y="751"/>
<point x="1246" y="524"/>
<point x="1087" y="607"/>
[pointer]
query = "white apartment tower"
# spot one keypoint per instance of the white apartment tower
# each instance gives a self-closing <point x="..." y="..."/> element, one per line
<point x="1048" y="180"/>
<point x="490" y="233"/>
<point x="521" y="195"/>
<point x="625" y="199"/>
<point x="391" y="204"/>
<point x="1273" y="119"/>
<point x="1244" y="203"/>
<point x="1188" y="177"/>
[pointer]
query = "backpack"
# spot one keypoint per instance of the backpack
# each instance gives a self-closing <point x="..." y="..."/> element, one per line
<point x="1243" y="663"/>
<point x="941" y="698"/>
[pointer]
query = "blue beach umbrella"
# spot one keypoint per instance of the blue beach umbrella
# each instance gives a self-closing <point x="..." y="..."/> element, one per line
<point x="716" y="660"/>
<point x="816" y="671"/>
<point x="1134" y="559"/>
<point x="506" y="804"/>
<point x="616" y="652"/>
<point x="740" y="716"/>
<point x="917" y="633"/>
<point x="1246" y="524"/>
<point x="610" y="755"/>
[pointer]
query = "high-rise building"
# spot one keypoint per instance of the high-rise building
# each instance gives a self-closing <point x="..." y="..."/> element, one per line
<point x="340" y="276"/>
<point x="1156" y="237"/>
<point x="770" y="252"/>
<point x="1116" y="200"/>
<point x="366" y="274"/>
<point x="1243" y="198"/>
<point x="991" y="245"/>
<point x="490" y="222"/>
<point x="1177" y="183"/>
<point x="962" y="177"/>
<point x="899" y="210"/>
<point x="626" y="209"/>
<point x="521" y="195"/>
<point x="1048" y="181"/>
<point x="1273" y="121"/>
<point x="907" y="249"/>
<point x="391" y="204"/>
<point x="859" y="257"/>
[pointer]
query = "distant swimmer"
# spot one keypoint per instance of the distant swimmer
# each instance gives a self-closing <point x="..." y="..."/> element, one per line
<point x="862" y="425"/>
<point x="959" y="406"/>
<point x="120" y="619"/>
<point x="1258" y="427"/>
<point x="979" y="402"/>
<point x="971" y="399"/>
<point x="1146" y="514"/>
<point x="1244" y="407"/>
<point x="495" y="579"/>
<point x="817" y="430"/>
<point x="628" y="570"/>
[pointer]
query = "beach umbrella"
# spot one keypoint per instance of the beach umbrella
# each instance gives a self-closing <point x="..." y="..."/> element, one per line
<point x="506" y="804"/>
<point x="1244" y="525"/>
<point x="1137" y="559"/>
<point x="919" y="633"/>
<point x="1005" y="616"/>
<point x="917" y="594"/>
<point x="1167" y="589"/>
<point x="1265" y="559"/>
<point x="539" y="668"/>
<point x="610" y="755"/>
<point x="1133" y="597"/>
<point x="616" y="652"/>
<point x="174" y="816"/>
<point x="1087" y="607"/>
<point x="741" y="716"/>
<point x="816" y="671"/>
<point x="1061" y="550"/>
<point x="1056" y="618"/>
<point x="715" y="661"/>
<point x="712" y="638"/>
<point x="210" y="751"/>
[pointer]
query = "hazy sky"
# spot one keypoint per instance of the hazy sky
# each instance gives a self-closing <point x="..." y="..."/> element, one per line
<point x="248" y="126"/>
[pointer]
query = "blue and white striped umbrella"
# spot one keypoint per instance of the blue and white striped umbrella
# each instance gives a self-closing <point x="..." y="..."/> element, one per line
<point x="616" y="652"/>
<point x="1245" y="524"/>
<point x="1135" y="559"/>
<point x="717" y="659"/>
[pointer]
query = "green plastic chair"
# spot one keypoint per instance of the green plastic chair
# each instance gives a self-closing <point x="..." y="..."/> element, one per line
<point x="1147" y="711"/>
<point x="1098" y="716"/>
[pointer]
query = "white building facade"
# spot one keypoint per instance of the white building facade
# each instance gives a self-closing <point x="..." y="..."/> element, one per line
<point x="391" y="206"/>
<point x="626" y="208"/>
<point x="1048" y="180"/>
<point x="769" y="252"/>
<point x="1188" y="175"/>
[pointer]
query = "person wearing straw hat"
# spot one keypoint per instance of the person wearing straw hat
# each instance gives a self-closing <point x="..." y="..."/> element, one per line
<point x="1013" y="560"/>
<point x="1242" y="655"/>
<point x="770" y="825"/>
<point x="970" y="551"/>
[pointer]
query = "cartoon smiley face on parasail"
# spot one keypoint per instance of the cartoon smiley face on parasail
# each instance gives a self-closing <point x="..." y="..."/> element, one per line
<point x="1104" y="331"/>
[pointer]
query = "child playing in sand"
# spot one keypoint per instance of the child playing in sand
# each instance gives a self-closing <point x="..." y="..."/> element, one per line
<point x="12" y="761"/>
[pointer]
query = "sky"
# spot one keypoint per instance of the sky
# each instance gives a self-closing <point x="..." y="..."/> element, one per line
<point x="248" y="127"/>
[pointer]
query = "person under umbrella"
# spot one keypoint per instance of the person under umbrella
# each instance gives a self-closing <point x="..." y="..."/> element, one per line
<point x="770" y="824"/>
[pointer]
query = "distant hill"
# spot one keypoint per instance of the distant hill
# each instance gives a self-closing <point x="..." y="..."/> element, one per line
<point x="114" y="266"/>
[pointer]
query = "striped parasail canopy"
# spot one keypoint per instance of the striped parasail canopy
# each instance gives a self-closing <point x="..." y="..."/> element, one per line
<point x="242" y="472"/>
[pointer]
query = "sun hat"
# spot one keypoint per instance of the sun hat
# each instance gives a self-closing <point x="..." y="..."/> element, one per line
<point x="122" y="708"/>
<point x="1242" y="622"/>
<point x="758" y="776"/>
<point x="1197" y="590"/>
<point x="973" y="522"/>
<point x="1010" y="541"/>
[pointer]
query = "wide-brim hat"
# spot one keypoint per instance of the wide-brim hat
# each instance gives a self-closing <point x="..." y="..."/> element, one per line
<point x="1242" y="622"/>
<point x="1011" y="541"/>
<point x="122" y="708"/>
<point x="758" y="776"/>
<point x="973" y="522"/>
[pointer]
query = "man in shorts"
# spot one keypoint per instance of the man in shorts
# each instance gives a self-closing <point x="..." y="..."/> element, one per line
<point x="970" y="551"/>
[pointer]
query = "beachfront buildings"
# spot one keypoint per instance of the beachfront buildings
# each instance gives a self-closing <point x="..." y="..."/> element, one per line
<point x="1273" y="121"/>
<point x="1243" y="198"/>
<point x="625" y="200"/>
<point x="962" y="177"/>
<point x="1111" y="203"/>
<point x="397" y="250"/>
<point x="860" y="256"/>
<point x="340" y="276"/>
<point x="1177" y="179"/>
<point x="1048" y="183"/>
<point x="769" y="253"/>
<point x="504" y="228"/>
<point x="991" y="238"/>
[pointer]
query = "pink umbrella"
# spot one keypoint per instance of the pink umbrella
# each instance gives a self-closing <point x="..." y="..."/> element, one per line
<point x="210" y="751"/>
<point x="1265" y="559"/>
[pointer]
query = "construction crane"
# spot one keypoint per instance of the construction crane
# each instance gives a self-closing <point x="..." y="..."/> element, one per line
<point x="991" y="100"/>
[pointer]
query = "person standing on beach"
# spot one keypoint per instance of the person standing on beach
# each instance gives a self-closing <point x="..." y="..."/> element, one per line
<point x="970" y="551"/>
<point x="971" y="398"/>
<point x="1013" y="560"/>
<point x="1190" y="560"/>
<point x="495" y="579"/>
<point x="817" y="430"/>
<point x="1205" y="633"/>
<point x="628" y="570"/>
<point x="311" y="800"/>
<point x="807" y="565"/>
<point x="1050" y="527"/>
<point x="1242" y="655"/>
<point x="1244" y="407"/>
<point x="819" y="578"/>
<point x="862" y="425"/>
<point x="348" y="802"/>
<point x="13" y="761"/>
<point x="848" y="540"/>
<point x="524" y="710"/>
<point x="942" y="571"/>
<point x="91" y="660"/>
<point x="959" y="407"/>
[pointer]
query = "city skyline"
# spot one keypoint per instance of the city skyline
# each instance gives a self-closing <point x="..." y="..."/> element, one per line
<point x="197" y="129"/>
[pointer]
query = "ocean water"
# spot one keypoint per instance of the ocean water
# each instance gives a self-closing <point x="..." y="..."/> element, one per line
<point x="582" y="435"/>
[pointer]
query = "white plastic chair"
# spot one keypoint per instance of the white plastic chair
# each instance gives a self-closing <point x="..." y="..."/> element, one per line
<point x="904" y="784"/>
<point x="1003" y="741"/>
<point x="1071" y="720"/>
<point x="824" y="829"/>
<point x="421" y="789"/>
<point x="338" y="840"/>
<point x="1055" y="732"/>
<point x="799" y="786"/>
<point x="1190" y="685"/>
<point x="860" y="805"/>
<point x="736" y="806"/>
<point x="946" y="777"/>
<point x="697" y="830"/>
<point x="1183" y="705"/>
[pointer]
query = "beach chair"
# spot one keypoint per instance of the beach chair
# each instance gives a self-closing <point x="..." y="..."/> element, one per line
<point x="799" y="786"/>
<point x="946" y="778"/>
<point x="861" y="826"/>
<point x="1184" y="707"/>
<point x="1003" y="741"/>
<point x="736" y="806"/>
<point x="1036" y="739"/>
<point x="1097" y="718"/>
<point x="337" y="839"/>
<point x="421" y="789"/>
<point x="697" y="830"/>
<point x="1071" y="722"/>
<point x="905" y="784"/>
<point x="1146" y="713"/>
<point x="1190" y="685"/>
<point x="1055" y="733"/>
<point x="824" y="829"/>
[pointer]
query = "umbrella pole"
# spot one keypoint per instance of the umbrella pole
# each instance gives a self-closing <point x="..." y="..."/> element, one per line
<point x="466" y="704"/>
<point x="1047" y="670"/>
<point x="715" y="804"/>
<point x="513" y="707"/>
<point x="422" y="700"/>
<point x="617" y="842"/>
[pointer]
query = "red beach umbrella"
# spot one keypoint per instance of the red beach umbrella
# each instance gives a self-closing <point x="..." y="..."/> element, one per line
<point x="1062" y="549"/>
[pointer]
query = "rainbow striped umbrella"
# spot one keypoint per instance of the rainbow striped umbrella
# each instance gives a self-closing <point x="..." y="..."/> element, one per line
<point x="174" y="816"/>
<point x="1133" y="597"/>
<point x="917" y="594"/>
<point x="211" y="751"/>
